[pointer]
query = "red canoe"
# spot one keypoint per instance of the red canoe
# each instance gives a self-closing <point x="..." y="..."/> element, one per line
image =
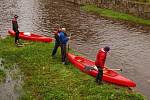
<point x="109" y="75"/>
<point x="31" y="36"/>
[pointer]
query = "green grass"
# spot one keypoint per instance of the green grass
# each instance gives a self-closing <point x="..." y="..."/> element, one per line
<point x="2" y="75"/>
<point x="115" y="15"/>
<point x="47" y="79"/>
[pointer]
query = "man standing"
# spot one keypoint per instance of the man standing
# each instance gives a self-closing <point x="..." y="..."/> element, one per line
<point x="15" y="28"/>
<point x="100" y="63"/>
<point x="57" y="42"/>
<point x="63" y="42"/>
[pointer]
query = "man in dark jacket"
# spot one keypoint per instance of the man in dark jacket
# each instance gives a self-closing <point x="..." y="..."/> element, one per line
<point x="15" y="28"/>
<point x="100" y="62"/>
<point x="63" y="42"/>
<point x="57" y="42"/>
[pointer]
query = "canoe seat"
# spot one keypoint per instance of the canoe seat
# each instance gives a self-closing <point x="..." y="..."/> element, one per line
<point x="79" y="59"/>
<point x="27" y="33"/>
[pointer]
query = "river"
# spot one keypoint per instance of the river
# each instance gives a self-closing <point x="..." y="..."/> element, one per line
<point x="130" y="47"/>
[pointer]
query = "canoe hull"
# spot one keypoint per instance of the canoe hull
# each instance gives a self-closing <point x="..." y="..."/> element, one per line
<point x="31" y="36"/>
<point x="108" y="76"/>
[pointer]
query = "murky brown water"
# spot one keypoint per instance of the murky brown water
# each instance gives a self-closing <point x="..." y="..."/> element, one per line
<point x="130" y="48"/>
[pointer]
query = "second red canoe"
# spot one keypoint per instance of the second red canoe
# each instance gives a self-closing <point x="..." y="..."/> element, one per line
<point x="31" y="36"/>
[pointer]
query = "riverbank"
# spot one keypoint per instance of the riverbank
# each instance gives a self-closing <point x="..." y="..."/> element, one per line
<point x="46" y="78"/>
<point x="115" y="15"/>
<point x="142" y="1"/>
<point x="132" y="7"/>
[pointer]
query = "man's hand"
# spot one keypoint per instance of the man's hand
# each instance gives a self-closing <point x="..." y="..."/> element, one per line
<point x="95" y="67"/>
<point x="105" y="68"/>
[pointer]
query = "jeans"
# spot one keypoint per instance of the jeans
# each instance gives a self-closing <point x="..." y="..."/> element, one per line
<point x="16" y="36"/>
<point x="99" y="75"/>
<point x="63" y="52"/>
<point x="57" y="44"/>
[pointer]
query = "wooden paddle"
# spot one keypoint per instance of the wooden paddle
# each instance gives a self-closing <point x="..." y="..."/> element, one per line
<point x="67" y="60"/>
<point x="20" y="45"/>
<point x="26" y="43"/>
<point x="89" y="68"/>
<point x="69" y="41"/>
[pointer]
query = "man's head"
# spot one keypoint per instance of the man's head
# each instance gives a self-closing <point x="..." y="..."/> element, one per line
<point x="16" y="16"/>
<point x="57" y="27"/>
<point x="106" y="48"/>
<point x="63" y="29"/>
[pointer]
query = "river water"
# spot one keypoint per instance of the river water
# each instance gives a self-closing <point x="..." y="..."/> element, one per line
<point x="130" y="47"/>
<point x="11" y="88"/>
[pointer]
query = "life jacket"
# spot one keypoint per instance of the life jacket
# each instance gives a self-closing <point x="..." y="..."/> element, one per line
<point x="15" y="25"/>
<point x="101" y="57"/>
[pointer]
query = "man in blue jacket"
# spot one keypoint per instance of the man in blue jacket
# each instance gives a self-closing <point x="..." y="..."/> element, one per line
<point x="57" y="42"/>
<point x="63" y="42"/>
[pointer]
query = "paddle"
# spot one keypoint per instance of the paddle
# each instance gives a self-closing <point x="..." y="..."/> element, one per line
<point x="26" y="43"/>
<point x="67" y="60"/>
<point x="69" y="41"/>
<point x="117" y="69"/>
<point x="89" y="68"/>
<point x="20" y="45"/>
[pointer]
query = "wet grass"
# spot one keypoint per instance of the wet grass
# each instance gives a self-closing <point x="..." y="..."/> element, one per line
<point x="115" y="15"/>
<point x="2" y="75"/>
<point x="47" y="79"/>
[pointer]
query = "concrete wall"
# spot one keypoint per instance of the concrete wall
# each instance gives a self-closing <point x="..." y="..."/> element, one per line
<point x="134" y="8"/>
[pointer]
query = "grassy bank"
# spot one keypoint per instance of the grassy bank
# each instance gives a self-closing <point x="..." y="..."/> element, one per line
<point x="47" y="79"/>
<point x="2" y="76"/>
<point x="143" y="1"/>
<point x="115" y="15"/>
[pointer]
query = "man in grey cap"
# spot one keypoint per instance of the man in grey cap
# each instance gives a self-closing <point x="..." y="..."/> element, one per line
<point x="63" y="38"/>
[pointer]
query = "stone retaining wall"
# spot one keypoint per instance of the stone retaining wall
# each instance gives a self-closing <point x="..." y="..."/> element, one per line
<point x="130" y="7"/>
